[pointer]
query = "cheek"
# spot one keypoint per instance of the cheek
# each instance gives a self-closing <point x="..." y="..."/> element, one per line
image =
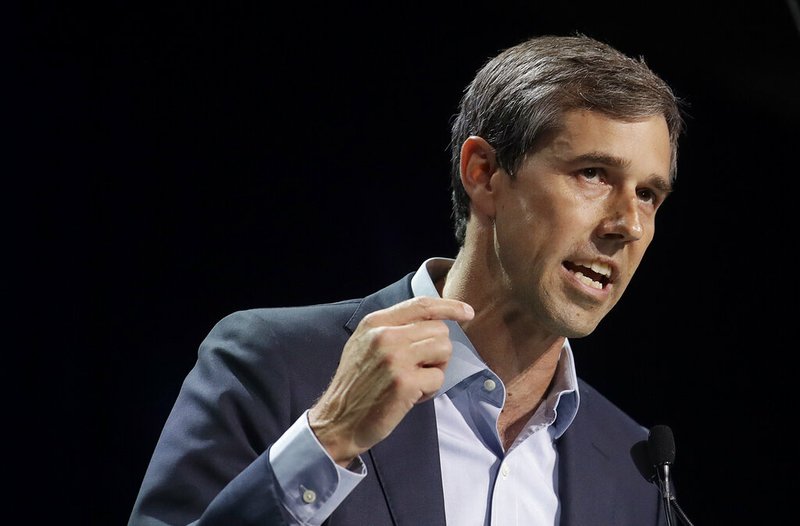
<point x="535" y="223"/>
<point x="533" y="239"/>
<point x="519" y="233"/>
<point x="571" y="219"/>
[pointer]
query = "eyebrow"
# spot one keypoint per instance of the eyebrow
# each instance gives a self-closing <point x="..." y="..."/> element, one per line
<point x="658" y="182"/>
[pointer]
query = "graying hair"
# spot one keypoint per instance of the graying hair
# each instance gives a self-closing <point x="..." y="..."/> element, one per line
<point x="524" y="92"/>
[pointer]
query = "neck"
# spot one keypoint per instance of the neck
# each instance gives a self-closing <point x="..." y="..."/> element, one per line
<point x="517" y="348"/>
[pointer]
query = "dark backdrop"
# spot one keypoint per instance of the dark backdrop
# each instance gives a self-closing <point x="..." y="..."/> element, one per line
<point x="175" y="161"/>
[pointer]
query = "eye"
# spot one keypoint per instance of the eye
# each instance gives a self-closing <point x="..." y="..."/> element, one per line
<point x="591" y="173"/>
<point x="647" y="195"/>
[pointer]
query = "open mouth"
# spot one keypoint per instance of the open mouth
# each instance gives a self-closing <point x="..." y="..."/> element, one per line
<point x="593" y="273"/>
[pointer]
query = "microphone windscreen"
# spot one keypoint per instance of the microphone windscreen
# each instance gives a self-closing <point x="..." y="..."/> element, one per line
<point x="661" y="445"/>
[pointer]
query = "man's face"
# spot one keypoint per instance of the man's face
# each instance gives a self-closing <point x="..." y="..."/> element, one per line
<point x="573" y="224"/>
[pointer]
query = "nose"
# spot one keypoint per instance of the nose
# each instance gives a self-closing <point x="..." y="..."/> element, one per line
<point x="622" y="220"/>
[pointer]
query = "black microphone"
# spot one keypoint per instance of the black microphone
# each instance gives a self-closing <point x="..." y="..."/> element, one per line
<point x="661" y="449"/>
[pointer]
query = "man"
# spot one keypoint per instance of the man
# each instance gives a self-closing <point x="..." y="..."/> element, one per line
<point x="451" y="395"/>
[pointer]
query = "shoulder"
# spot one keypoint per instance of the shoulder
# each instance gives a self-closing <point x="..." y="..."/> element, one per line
<point x="603" y="455"/>
<point x="602" y="425"/>
<point x="597" y="408"/>
<point x="280" y="339"/>
<point x="277" y="323"/>
<point x="310" y="321"/>
<point x="307" y="337"/>
<point x="306" y="322"/>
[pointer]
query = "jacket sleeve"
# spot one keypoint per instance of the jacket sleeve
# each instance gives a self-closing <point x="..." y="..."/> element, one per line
<point x="211" y="463"/>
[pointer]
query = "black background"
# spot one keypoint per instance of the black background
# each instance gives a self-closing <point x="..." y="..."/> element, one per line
<point x="174" y="161"/>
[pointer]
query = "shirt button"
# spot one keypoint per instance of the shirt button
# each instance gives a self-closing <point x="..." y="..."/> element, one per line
<point x="505" y="470"/>
<point x="309" y="496"/>
<point x="489" y="384"/>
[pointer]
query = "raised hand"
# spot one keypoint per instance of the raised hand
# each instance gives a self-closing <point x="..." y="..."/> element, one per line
<point x="395" y="358"/>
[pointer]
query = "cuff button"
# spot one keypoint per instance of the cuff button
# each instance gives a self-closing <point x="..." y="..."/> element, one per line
<point x="309" y="496"/>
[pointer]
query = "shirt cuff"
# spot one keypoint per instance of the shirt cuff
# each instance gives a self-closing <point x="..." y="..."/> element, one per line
<point x="312" y="484"/>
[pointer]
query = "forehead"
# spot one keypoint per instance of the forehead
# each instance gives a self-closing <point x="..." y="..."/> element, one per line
<point x="641" y="144"/>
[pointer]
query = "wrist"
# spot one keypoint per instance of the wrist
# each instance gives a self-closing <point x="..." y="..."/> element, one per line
<point x="331" y="436"/>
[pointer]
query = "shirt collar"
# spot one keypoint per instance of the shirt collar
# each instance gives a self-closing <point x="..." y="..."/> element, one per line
<point x="564" y="393"/>
<point x="465" y="360"/>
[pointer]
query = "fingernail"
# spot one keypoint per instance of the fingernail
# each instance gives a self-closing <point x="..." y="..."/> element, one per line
<point x="469" y="310"/>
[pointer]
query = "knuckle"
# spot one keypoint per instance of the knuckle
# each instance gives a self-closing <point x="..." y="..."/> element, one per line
<point x="440" y="328"/>
<point x="370" y="321"/>
<point x="438" y="375"/>
<point x="401" y="383"/>
<point x="447" y="346"/>
<point x="425" y="303"/>
<point x="380" y="336"/>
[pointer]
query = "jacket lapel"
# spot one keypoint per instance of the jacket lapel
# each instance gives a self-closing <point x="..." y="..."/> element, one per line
<point x="408" y="469"/>
<point x="407" y="461"/>
<point x="586" y="496"/>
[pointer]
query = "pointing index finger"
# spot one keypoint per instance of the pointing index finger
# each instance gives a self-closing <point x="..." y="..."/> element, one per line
<point x="424" y="308"/>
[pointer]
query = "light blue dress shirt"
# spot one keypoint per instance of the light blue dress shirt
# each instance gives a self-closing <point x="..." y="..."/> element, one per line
<point x="483" y="484"/>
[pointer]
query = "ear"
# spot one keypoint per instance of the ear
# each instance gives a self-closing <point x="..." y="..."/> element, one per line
<point x="478" y="165"/>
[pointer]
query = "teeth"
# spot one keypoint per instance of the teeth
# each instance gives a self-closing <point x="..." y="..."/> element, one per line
<point x="600" y="268"/>
<point x="589" y="281"/>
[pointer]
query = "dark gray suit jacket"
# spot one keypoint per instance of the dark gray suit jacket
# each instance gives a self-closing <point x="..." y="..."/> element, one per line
<point x="258" y="370"/>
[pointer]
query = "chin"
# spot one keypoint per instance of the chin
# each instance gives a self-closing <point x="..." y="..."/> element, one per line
<point x="578" y="328"/>
<point x="574" y="334"/>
